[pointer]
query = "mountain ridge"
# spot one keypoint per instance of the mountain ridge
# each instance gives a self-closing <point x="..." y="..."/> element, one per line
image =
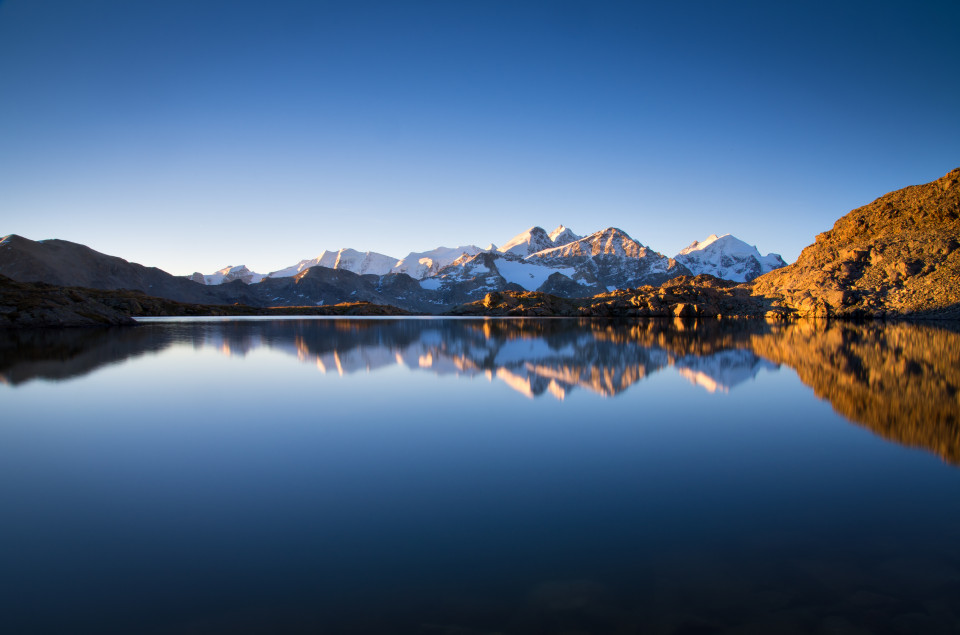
<point x="549" y="249"/>
<point x="444" y="277"/>
<point x="898" y="256"/>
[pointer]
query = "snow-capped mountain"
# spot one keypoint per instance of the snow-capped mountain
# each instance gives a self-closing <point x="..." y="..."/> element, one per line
<point x="471" y="277"/>
<point x="560" y="262"/>
<point x="527" y="242"/>
<point x="228" y="274"/>
<point x="536" y="239"/>
<point x="347" y="259"/>
<point x="562" y="235"/>
<point x="364" y="262"/>
<point x="609" y="259"/>
<point x="728" y="257"/>
<point x="420" y="264"/>
<point x="416" y="264"/>
<point x="605" y="260"/>
<point x="608" y="242"/>
<point x="325" y="259"/>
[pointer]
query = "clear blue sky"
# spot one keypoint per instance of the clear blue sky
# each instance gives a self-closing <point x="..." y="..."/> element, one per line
<point x="192" y="135"/>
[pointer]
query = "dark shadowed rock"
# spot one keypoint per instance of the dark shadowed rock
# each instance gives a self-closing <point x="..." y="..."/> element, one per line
<point x="68" y="264"/>
<point x="36" y="304"/>
<point x="566" y="287"/>
<point x="322" y="286"/>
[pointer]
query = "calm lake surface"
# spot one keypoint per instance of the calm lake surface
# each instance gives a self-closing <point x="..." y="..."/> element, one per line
<point x="480" y="476"/>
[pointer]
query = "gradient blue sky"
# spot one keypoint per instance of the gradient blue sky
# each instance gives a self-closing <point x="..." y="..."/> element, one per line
<point x="191" y="135"/>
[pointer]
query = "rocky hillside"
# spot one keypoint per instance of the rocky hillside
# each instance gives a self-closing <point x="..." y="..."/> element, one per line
<point x="37" y="304"/>
<point x="897" y="256"/>
<point x="64" y="263"/>
<point x="67" y="264"/>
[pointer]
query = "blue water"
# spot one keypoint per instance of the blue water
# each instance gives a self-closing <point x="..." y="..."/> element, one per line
<point x="462" y="476"/>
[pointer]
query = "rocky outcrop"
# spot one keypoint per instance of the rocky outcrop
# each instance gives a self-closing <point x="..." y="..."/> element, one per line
<point x="899" y="256"/>
<point x="683" y="297"/>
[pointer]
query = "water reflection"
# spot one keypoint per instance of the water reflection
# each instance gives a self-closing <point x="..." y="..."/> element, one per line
<point x="224" y="478"/>
<point x="536" y="358"/>
<point x="900" y="380"/>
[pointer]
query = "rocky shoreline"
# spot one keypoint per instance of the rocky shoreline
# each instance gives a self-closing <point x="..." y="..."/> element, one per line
<point x="683" y="297"/>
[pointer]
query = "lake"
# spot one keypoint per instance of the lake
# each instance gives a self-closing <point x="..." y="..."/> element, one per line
<point x="444" y="476"/>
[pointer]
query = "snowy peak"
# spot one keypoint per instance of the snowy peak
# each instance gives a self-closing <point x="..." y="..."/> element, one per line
<point x="420" y="264"/>
<point x="487" y="271"/>
<point x="228" y="274"/>
<point x="727" y="257"/>
<point x="698" y="245"/>
<point x="608" y="242"/>
<point x="364" y="262"/>
<point x="615" y="242"/>
<point x="727" y="243"/>
<point x="605" y="259"/>
<point x="528" y="242"/>
<point x="347" y="259"/>
<point x="325" y="259"/>
<point x="562" y="235"/>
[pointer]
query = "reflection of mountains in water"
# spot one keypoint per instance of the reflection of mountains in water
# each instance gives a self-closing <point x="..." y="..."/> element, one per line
<point x="900" y="380"/>
<point x="532" y="357"/>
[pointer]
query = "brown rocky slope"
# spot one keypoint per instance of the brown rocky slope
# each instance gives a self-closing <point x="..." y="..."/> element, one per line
<point x="899" y="256"/>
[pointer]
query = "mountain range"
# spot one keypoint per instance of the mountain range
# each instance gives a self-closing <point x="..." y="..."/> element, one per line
<point x="601" y="261"/>
<point x="897" y="256"/>
<point x="559" y="262"/>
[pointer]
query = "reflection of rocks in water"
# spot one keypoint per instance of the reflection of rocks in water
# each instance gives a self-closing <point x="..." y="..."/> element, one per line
<point x="900" y="380"/>
<point x="59" y="354"/>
